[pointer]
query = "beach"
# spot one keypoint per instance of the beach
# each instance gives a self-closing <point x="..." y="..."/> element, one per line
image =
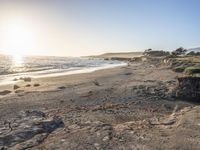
<point x="126" y="107"/>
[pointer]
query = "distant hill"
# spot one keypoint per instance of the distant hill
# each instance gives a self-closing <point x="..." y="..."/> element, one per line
<point x="121" y="55"/>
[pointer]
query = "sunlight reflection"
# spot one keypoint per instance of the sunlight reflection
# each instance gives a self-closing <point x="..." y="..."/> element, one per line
<point x="17" y="60"/>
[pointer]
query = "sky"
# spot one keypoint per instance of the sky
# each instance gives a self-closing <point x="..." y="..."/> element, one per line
<point x="89" y="27"/>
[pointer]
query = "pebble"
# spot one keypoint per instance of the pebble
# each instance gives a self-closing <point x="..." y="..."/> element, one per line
<point x="16" y="87"/>
<point x="106" y="138"/>
<point x="36" y="84"/>
<point x="97" y="146"/>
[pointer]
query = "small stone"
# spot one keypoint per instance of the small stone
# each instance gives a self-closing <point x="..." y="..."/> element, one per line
<point x="19" y="91"/>
<point x="98" y="133"/>
<point x="16" y="87"/>
<point x="36" y="84"/>
<point x="61" y="101"/>
<point x="97" y="146"/>
<point x="5" y="92"/>
<point x="62" y="140"/>
<point x="121" y="140"/>
<point x="26" y="79"/>
<point x="28" y="85"/>
<point x="106" y="138"/>
<point x="128" y="73"/>
<point x="62" y="87"/>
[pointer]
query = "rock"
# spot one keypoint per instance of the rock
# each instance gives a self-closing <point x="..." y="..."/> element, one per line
<point x="19" y="91"/>
<point x="128" y="73"/>
<point x="15" y="79"/>
<point x="32" y="113"/>
<point x="2" y="148"/>
<point x="168" y="122"/>
<point x="97" y="146"/>
<point x="5" y="92"/>
<point x="28" y="85"/>
<point x="26" y="79"/>
<point x="96" y="83"/>
<point x="62" y="87"/>
<point x="36" y="84"/>
<point x="30" y="129"/>
<point x="106" y="138"/>
<point x="16" y="87"/>
<point x="188" y="88"/>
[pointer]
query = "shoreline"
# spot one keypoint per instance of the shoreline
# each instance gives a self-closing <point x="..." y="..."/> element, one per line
<point x="51" y="82"/>
<point x="9" y="79"/>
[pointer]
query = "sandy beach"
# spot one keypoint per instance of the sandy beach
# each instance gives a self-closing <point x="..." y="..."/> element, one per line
<point x="125" y="107"/>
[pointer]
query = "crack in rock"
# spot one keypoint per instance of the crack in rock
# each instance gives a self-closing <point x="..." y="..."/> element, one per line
<point x="29" y="129"/>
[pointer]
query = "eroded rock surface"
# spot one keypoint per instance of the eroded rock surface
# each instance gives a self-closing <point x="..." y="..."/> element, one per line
<point x="188" y="88"/>
<point x="27" y="130"/>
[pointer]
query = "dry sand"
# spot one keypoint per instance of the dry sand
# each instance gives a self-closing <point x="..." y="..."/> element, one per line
<point x="120" y="108"/>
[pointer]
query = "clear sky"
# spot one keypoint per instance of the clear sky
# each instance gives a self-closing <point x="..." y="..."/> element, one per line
<point x="85" y="27"/>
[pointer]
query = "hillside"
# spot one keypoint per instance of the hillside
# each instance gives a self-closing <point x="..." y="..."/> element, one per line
<point x="121" y="55"/>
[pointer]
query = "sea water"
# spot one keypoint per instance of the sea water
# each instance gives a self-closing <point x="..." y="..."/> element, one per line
<point x="32" y="66"/>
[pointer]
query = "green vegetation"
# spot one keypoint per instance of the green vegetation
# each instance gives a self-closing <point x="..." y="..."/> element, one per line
<point x="179" y="69"/>
<point x="187" y="64"/>
<point x="193" y="54"/>
<point x="192" y="70"/>
<point x="156" y="53"/>
<point x="179" y="51"/>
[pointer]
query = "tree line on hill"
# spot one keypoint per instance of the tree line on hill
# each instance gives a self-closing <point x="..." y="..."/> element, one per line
<point x="178" y="52"/>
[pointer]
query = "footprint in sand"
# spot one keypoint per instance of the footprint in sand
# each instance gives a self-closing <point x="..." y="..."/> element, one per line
<point x="5" y="92"/>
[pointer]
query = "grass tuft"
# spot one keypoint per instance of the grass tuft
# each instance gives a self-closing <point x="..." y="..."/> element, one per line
<point x="192" y="70"/>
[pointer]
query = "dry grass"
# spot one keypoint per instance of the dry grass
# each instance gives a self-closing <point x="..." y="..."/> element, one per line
<point x="193" y="59"/>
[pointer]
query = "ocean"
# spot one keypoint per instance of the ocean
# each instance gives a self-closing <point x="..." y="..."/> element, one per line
<point x="32" y="66"/>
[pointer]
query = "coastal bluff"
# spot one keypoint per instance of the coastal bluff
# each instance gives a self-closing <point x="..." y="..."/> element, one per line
<point x="188" y="88"/>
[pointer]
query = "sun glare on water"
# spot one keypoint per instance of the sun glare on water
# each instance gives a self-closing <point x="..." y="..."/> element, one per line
<point x="17" y="60"/>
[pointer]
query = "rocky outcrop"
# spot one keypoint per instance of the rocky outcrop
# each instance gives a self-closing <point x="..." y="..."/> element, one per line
<point x="155" y="89"/>
<point x="27" y="130"/>
<point x="188" y="88"/>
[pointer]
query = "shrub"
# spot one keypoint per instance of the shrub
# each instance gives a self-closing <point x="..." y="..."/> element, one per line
<point x="179" y="51"/>
<point x="192" y="70"/>
<point x="192" y="53"/>
<point x="156" y="53"/>
<point x="179" y="69"/>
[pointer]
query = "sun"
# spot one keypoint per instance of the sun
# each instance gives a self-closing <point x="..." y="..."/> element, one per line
<point x="18" y="37"/>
